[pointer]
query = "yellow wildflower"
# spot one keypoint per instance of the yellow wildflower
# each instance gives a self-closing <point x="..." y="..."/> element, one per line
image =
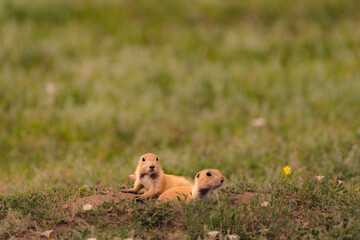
<point x="287" y="170"/>
<point x="357" y="188"/>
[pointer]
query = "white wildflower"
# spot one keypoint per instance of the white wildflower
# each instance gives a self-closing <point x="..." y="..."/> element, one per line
<point x="319" y="178"/>
<point x="46" y="233"/>
<point x="50" y="88"/>
<point x="213" y="233"/>
<point x="232" y="236"/>
<point x="258" y="122"/>
<point x="87" y="207"/>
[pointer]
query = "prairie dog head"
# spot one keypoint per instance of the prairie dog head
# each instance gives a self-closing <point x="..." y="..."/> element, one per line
<point x="209" y="179"/>
<point x="148" y="163"/>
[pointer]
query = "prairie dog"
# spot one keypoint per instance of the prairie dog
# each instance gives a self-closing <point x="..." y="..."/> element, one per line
<point x="207" y="182"/>
<point x="150" y="176"/>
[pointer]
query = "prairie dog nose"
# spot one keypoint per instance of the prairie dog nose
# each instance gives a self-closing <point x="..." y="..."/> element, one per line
<point x="222" y="180"/>
<point x="152" y="167"/>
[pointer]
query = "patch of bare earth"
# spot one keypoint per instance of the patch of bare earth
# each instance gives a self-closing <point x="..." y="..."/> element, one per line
<point x="115" y="218"/>
<point x="247" y="197"/>
<point x="111" y="218"/>
<point x="107" y="197"/>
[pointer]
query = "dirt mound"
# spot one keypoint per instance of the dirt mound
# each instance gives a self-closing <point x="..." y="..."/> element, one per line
<point x="98" y="199"/>
<point x="247" y="197"/>
<point x="110" y="217"/>
<point x="107" y="197"/>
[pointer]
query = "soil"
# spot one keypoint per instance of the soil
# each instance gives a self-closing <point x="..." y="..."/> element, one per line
<point x="107" y="197"/>
<point x="113" y="219"/>
<point x="247" y="197"/>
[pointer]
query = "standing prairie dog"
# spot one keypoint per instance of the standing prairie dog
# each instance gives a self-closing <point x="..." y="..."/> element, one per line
<point x="207" y="183"/>
<point x="150" y="176"/>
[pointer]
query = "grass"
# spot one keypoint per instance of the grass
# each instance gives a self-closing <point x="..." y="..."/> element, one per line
<point x="86" y="87"/>
<point x="298" y="209"/>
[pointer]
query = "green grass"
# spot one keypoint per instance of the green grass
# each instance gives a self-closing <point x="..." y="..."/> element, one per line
<point x="298" y="209"/>
<point x="183" y="80"/>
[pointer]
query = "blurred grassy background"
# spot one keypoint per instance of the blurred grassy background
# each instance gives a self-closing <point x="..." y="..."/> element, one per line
<point x="86" y="87"/>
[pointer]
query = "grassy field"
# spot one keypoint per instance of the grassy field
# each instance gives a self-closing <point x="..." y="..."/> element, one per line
<point x="86" y="87"/>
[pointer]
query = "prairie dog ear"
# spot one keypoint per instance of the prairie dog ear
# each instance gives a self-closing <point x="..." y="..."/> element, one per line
<point x="198" y="175"/>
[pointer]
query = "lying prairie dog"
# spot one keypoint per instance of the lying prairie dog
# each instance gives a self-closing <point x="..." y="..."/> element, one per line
<point x="207" y="182"/>
<point x="150" y="176"/>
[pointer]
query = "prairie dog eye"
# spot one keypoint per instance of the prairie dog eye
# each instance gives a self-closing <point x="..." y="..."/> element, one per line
<point x="143" y="159"/>
<point x="208" y="174"/>
<point x="157" y="159"/>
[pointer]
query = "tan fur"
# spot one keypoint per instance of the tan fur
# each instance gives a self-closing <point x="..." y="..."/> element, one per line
<point x="204" y="187"/>
<point x="154" y="181"/>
